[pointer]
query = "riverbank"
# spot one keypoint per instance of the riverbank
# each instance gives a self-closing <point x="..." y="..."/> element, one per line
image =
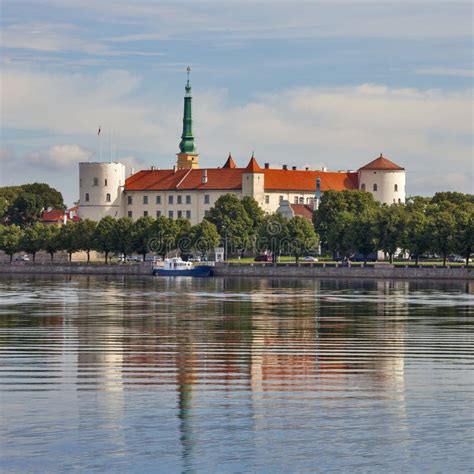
<point x="377" y="271"/>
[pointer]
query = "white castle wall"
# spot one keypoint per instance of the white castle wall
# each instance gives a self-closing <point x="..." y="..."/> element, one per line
<point x="97" y="183"/>
<point x="390" y="185"/>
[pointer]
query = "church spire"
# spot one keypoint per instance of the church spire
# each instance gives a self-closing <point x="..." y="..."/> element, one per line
<point x="187" y="139"/>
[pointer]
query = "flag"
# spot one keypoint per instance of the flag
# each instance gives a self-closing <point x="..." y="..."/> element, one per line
<point x="98" y="133"/>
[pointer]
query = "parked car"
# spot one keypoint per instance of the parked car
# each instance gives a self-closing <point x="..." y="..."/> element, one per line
<point x="309" y="258"/>
<point x="133" y="258"/>
<point x="196" y="258"/>
<point x="263" y="258"/>
<point x="22" y="258"/>
<point x="456" y="259"/>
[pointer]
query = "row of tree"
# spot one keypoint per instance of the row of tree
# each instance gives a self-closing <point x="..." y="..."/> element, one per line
<point x="352" y="221"/>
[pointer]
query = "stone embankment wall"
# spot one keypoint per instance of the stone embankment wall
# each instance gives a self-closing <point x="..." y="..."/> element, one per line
<point x="320" y="271"/>
<point x="74" y="269"/>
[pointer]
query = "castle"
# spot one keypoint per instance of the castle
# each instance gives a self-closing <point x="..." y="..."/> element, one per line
<point x="188" y="191"/>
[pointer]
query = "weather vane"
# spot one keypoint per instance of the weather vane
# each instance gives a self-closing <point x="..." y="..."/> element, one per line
<point x="188" y="69"/>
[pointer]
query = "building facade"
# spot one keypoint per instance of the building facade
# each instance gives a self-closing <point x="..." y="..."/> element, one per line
<point x="188" y="191"/>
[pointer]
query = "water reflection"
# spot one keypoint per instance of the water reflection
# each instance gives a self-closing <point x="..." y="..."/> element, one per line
<point x="229" y="369"/>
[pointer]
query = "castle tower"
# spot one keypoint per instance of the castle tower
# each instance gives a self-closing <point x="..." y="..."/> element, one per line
<point x="187" y="156"/>
<point x="253" y="182"/>
<point x="101" y="190"/>
<point x="384" y="179"/>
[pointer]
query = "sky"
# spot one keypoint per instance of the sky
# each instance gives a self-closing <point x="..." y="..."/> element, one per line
<point x="306" y="83"/>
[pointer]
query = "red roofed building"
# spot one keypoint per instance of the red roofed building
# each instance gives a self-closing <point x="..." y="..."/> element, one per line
<point x="59" y="216"/>
<point x="188" y="191"/>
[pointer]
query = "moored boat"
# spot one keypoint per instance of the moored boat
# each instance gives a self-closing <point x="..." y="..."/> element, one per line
<point x="177" y="267"/>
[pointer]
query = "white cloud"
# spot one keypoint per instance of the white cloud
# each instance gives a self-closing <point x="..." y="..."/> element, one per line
<point x="58" y="157"/>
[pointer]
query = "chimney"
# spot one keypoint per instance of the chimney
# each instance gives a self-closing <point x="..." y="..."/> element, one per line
<point x="306" y="169"/>
<point x="267" y="165"/>
<point x="324" y="168"/>
<point x="132" y="171"/>
<point x="293" y="168"/>
<point x="152" y="168"/>
<point x="285" y="167"/>
<point x="174" y="169"/>
<point x="204" y="177"/>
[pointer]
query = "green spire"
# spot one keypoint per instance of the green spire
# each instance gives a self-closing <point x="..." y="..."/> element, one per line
<point x="187" y="139"/>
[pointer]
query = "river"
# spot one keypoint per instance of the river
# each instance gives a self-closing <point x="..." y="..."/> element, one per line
<point x="141" y="374"/>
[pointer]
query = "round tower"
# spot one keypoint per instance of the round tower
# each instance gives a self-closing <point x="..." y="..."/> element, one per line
<point x="101" y="188"/>
<point x="384" y="179"/>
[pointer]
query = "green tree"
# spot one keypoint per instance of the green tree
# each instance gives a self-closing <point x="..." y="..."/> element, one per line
<point x="69" y="239"/>
<point x="443" y="228"/>
<point x="392" y="224"/>
<point x="232" y="222"/>
<point x="302" y="237"/>
<point x="456" y="198"/>
<point x="31" y="241"/>
<point x="418" y="231"/>
<point x="164" y="235"/>
<point x="104" y="236"/>
<point x="363" y="231"/>
<point x="183" y="237"/>
<point x="50" y="241"/>
<point x="7" y="195"/>
<point x="123" y="236"/>
<point x="464" y="233"/>
<point x="340" y="237"/>
<point x="142" y="232"/>
<point x="25" y="210"/>
<point x="86" y="236"/>
<point x="204" y="237"/>
<point x="10" y="239"/>
<point x="273" y="236"/>
<point x="49" y="197"/>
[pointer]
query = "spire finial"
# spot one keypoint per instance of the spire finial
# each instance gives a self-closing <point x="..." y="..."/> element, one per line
<point x="188" y="85"/>
<point x="380" y="154"/>
<point x="253" y="154"/>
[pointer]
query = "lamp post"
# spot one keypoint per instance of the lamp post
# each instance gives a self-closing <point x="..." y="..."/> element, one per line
<point x="225" y="242"/>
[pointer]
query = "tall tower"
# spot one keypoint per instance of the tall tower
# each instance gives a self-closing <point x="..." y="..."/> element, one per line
<point x="187" y="156"/>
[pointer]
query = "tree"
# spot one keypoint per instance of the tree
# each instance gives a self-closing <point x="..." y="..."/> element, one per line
<point x="85" y="236"/>
<point x="418" y="235"/>
<point x="122" y="236"/>
<point x="464" y="232"/>
<point x="183" y="237"/>
<point x="31" y="240"/>
<point x="364" y="233"/>
<point x="25" y="210"/>
<point x="443" y="228"/>
<point x="204" y="237"/>
<point x="232" y="222"/>
<point x="459" y="199"/>
<point x="10" y="239"/>
<point x="104" y="236"/>
<point x="273" y="235"/>
<point x="69" y="239"/>
<point x="164" y="235"/>
<point x="391" y="223"/>
<point x="49" y="197"/>
<point x="50" y="241"/>
<point x="254" y="211"/>
<point x="340" y="237"/>
<point x="7" y="195"/>
<point x="302" y="237"/>
<point x="142" y="232"/>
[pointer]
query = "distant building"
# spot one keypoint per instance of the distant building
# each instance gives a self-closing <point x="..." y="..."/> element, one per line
<point x="59" y="216"/>
<point x="188" y="191"/>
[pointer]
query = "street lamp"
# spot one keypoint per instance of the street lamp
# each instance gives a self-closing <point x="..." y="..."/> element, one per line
<point x="225" y="242"/>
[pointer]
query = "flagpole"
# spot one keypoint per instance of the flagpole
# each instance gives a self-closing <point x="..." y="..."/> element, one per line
<point x="100" y="144"/>
<point x="111" y="136"/>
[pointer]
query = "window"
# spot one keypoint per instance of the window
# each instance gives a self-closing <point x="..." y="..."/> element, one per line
<point x="129" y="200"/>
<point x="170" y="214"/>
<point x="170" y="199"/>
<point x="188" y="215"/>
<point x="363" y="187"/>
<point x="158" y="199"/>
<point x="105" y="182"/>
<point x="207" y="199"/>
<point x="87" y="197"/>
<point x="267" y="199"/>
<point x="130" y="214"/>
<point x="375" y="187"/>
<point x="309" y="200"/>
<point x="395" y="187"/>
<point x="180" y="199"/>
<point x="158" y="213"/>
<point x="145" y="199"/>
<point x="301" y="200"/>
<point x="96" y="181"/>
<point x="180" y="214"/>
<point x="296" y="199"/>
<point x="188" y="199"/>
<point x="107" y="197"/>
<point x="281" y="198"/>
<point x="399" y="201"/>
<point x="145" y="213"/>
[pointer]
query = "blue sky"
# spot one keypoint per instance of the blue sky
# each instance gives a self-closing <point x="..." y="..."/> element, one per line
<point x="302" y="83"/>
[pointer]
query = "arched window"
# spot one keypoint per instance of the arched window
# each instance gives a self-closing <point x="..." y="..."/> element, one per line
<point x="375" y="187"/>
<point x="363" y="187"/>
<point x="87" y="197"/>
<point x="301" y="200"/>
<point x="107" y="197"/>
<point x="395" y="187"/>
<point x="399" y="201"/>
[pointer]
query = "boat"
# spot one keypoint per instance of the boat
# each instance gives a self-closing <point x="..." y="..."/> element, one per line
<point x="177" y="267"/>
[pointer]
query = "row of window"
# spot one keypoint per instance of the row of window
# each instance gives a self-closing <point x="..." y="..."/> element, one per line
<point x="107" y="197"/>
<point x="179" y="214"/>
<point x="374" y="187"/>
<point x="179" y="199"/>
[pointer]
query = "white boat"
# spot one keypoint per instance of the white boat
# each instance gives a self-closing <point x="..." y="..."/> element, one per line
<point x="177" y="267"/>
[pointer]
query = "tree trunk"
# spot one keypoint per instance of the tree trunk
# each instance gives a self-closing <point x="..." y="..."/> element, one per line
<point x="52" y="256"/>
<point x="34" y="256"/>
<point x="70" y="256"/>
<point x="468" y="254"/>
<point x="444" y="259"/>
<point x="11" y="257"/>
<point x="391" y="257"/>
<point x="106" y="257"/>
<point x="88" y="256"/>
<point x="417" y="261"/>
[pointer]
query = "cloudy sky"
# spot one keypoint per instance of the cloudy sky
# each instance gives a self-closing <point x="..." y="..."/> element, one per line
<point x="304" y="83"/>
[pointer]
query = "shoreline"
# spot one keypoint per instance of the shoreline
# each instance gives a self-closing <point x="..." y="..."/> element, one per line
<point x="381" y="271"/>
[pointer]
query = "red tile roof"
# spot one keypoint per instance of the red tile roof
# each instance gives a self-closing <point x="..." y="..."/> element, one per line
<point x="303" y="210"/>
<point x="381" y="163"/>
<point x="230" y="163"/>
<point x="52" y="216"/>
<point x="231" y="179"/>
<point x="253" y="166"/>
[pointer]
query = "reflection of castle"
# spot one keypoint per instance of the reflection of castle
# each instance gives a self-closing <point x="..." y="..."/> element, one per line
<point x="186" y="191"/>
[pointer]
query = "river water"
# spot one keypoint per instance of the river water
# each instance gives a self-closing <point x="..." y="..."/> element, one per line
<point x="235" y="375"/>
